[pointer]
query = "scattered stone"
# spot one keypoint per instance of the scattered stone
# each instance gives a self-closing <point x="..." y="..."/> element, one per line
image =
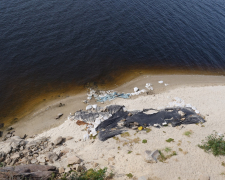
<point x="61" y="170"/>
<point x="52" y="157"/>
<point x="58" y="140"/>
<point x="33" y="161"/>
<point x="151" y="157"/>
<point x="2" y="156"/>
<point x="60" y="104"/>
<point x="69" y="138"/>
<point x="59" y="116"/>
<point x="41" y="158"/>
<point x="9" y="129"/>
<point x="73" y="159"/>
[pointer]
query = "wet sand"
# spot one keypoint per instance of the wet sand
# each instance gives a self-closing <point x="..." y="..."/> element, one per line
<point x="43" y="116"/>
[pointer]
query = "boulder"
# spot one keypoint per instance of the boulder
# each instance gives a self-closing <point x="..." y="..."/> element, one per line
<point x="73" y="159"/>
<point x="41" y="158"/>
<point x="61" y="170"/>
<point x="52" y="157"/>
<point x="2" y="156"/>
<point x="58" y="140"/>
<point x="59" y="115"/>
<point x="151" y="157"/>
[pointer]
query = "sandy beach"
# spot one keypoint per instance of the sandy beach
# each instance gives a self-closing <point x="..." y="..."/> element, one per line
<point x="122" y="155"/>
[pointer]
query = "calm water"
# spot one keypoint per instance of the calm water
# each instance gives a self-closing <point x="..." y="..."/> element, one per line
<point x="46" y="46"/>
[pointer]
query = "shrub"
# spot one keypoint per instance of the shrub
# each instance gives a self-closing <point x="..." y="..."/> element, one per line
<point x="188" y="133"/>
<point x="125" y="134"/>
<point x="170" y="140"/>
<point x="214" y="143"/>
<point x="167" y="149"/>
<point x="129" y="175"/>
<point x="144" y="141"/>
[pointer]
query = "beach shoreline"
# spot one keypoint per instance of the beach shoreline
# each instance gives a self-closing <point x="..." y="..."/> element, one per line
<point x="124" y="155"/>
<point x="43" y="116"/>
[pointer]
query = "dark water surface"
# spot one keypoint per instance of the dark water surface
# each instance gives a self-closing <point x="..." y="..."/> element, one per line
<point x="53" y="46"/>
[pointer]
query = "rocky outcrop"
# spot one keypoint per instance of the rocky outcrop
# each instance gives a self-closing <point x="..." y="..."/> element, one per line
<point x="32" y="171"/>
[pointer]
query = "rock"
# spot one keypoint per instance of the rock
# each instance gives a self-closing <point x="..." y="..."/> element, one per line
<point x="15" y="155"/>
<point x="78" y="167"/>
<point x="58" y="140"/>
<point x="67" y="170"/>
<point x="9" y="129"/>
<point x="33" y="161"/>
<point x="69" y="138"/>
<point x="7" y="148"/>
<point x="151" y="157"/>
<point x="41" y="158"/>
<point x="59" y="115"/>
<point x="73" y="159"/>
<point x="1" y="133"/>
<point x="95" y="165"/>
<point x="2" y="156"/>
<point x="61" y="170"/>
<point x="32" y="171"/>
<point x="204" y="177"/>
<point x="8" y="161"/>
<point x="52" y="157"/>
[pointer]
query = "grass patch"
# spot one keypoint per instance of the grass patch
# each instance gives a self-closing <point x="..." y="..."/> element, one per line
<point x="223" y="163"/>
<point x="90" y="174"/>
<point x="144" y="141"/>
<point x="118" y="148"/>
<point x="148" y="130"/>
<point x="214" y="143"/>
<point x="162" y="157"/>
<point x="188" y="133"/>
<point x="136" y="140"/>
<point x="125" y="134"/>
<point x="167" y="149"/>
<point x="116" y="138"/>
<point x="129" y="175"/>
<point x="180" y="149"/>
<point x="170" y="140"/>
<point x="129" y="152"/>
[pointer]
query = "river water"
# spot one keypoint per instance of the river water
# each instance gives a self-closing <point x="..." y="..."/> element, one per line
<point x="54" y="46"/>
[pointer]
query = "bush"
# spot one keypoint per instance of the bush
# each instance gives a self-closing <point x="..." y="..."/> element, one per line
<point x="170" y="140"/>
<point x="144" y="141"/>
<point x="214" y="143"/>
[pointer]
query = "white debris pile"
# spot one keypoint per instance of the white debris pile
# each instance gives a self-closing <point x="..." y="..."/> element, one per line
<point x="149" y="86"/>
<point x="91" y="127"/>
<point x="177" y="102"/>
<point x="137" y="91"/>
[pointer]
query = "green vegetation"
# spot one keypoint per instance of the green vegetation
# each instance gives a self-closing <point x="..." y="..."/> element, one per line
<point x="144" y="141"/>
<point x="170" y="140"/>
<point x="223" y="163"/>
<point x="188" y="133"/>
<point x="162" y="157"/>
<point x="214" y="143"/>
<point x="129" y="152"/>
<point x="129" y="175"/>
<point x="90" y="174"/>
<point x="148" y="130"/>
<point x="167" y="149"/>
<point x="125" y="134"/>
